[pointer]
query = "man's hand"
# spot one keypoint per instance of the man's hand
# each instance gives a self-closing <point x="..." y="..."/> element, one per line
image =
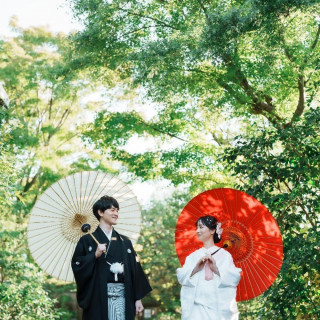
<point x="139" y="306"/>
<point x="101" y="248"/>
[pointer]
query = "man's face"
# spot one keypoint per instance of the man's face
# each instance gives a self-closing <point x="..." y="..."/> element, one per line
<point x="109" y="216"/>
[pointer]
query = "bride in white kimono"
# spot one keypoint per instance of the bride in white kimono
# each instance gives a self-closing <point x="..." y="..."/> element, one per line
<point x="209" y="283"/>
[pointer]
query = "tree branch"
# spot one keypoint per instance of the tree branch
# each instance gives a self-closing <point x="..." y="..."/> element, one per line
<point x="62" y="143"/>
<point x="231" y="91"/>
<point x="63" y="118"/>
<point x="163" y="24"/>
<point x="59" y="125"/>
<point x="29" y="184"/>
<point x="315" y="42"/>
<point x="204" y="11"/>
<point x="259" y="107"/>
<point x="162" y="131"/>
<point x="220" y="141"/>
<point x="302" y="207"/>
<point x="300" y="107"/>
<point x="281" y="215"/>
<point x="136" y="30"/>
<point x="50" y="106"/>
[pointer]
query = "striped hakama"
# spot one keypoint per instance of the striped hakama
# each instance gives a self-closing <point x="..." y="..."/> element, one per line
<point x="116" y="301"/>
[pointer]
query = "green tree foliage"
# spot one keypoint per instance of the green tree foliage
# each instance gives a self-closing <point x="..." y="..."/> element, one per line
<point x="21" y="293"/>
<point x="39" y="143"/>
<point x="252" y="66"/>
<point x="189" y="161"/>
<point x="8" y="172"/>
<point x="216" y="54"/>
<point x="281" y="168"/>
<point x="156" y="251"/>
<point x="204" y="62"/>
<point x="45" y="110"/>
<point x="214" y="68"/>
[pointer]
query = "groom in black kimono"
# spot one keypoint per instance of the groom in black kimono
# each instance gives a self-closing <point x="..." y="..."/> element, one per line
<point x="99" y="288"/>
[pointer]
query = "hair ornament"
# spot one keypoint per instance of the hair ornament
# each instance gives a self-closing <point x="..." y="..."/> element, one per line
<point x="209" y="219"/>
<point x="219" y="230"/>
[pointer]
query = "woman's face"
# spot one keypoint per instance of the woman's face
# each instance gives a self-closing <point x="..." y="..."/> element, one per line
<point x="203" y="232"/>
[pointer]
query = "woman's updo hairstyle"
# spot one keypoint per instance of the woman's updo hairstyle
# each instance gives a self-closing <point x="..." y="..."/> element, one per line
<point x="211" y="223"/>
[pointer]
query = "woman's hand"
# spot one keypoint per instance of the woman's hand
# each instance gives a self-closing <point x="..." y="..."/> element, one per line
<point x="101" y="248"/>
<point x="199" y="266"/>
<point x="212" y="265"/>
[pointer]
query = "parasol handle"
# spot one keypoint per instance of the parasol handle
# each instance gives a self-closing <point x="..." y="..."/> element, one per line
<point x="93" y="237"/>
<point x="224" y="246"/>
<point x="86" y="228"/>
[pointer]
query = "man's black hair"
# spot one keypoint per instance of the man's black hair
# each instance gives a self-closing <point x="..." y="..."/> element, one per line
<point x="103" y="204"/>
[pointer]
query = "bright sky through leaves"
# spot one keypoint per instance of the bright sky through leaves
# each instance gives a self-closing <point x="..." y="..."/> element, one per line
<point x="54" y="13"/>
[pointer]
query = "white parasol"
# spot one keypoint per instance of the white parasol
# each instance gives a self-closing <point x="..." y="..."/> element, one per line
<point x="58" y="215"/>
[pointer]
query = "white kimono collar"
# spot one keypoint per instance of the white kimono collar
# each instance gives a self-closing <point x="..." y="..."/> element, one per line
<point x="210" y="250"/>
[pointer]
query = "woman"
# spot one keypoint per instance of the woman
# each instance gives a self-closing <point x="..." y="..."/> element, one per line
<point x="209" y="282"/>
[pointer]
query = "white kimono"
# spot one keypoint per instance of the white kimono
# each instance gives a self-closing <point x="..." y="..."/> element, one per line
<point x="209" y="300"/>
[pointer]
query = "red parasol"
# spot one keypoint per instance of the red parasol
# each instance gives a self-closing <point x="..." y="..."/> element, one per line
<point x="250" y="230"/>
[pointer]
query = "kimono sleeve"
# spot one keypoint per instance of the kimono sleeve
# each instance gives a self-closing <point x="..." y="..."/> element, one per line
<point x="229" y="273"/>
<point x="141" y="283"/>
<point x="83" y="266"/>
<point x="184" y="273"/>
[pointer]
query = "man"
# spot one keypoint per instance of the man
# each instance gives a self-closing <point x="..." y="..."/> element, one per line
<point x="110" y="281"/>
